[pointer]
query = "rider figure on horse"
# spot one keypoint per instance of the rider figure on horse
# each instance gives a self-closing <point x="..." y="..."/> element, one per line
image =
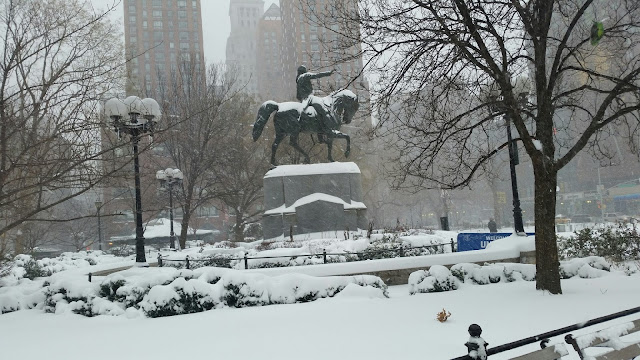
<point x="304" y="93"/>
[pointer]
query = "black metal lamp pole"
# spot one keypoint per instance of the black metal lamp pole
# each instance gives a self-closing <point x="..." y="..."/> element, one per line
<point x="168" y="179"/>
<point x="518" y="224"/>
<point x="98" y="207"/>
<point x="517" y="211"/>
<point x="142" y="115"/>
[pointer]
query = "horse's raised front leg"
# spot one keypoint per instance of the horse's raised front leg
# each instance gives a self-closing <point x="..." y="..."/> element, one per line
<point x="293" y="140"/>
<point x="338" y="135"/>
<point x="329" y="142"/>
<point x="274" y="147"/>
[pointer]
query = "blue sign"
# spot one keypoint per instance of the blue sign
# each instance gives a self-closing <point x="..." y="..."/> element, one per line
<point x="479" y="241"/>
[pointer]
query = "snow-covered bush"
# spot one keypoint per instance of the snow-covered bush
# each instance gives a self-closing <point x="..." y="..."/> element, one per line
<point x="62" y="295"/>
<point x="487" y="274"/>
<point x="589" y="267"/>
<point x="32" y="269"/>
<point x="438" y="278"/>
<point x="618" y="243"/>
<point x="167" y="291"/>
<point x="516" y="272"/>
<point x="22" y="295"/>
<point x="462" y="271"/>
<point x="180" y="297"/>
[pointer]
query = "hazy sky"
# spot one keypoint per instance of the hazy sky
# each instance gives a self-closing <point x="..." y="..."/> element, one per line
<point x="215" y="25"/>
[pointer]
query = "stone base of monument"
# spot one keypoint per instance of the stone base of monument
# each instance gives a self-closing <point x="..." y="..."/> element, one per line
<point x="313" y="198"/>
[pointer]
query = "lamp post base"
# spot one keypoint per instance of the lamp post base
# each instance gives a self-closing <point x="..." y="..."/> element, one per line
<point x="141" y="265"/>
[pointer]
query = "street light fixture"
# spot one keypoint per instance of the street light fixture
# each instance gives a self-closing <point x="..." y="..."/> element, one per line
<point x="98" y="207"/>
<point x="168" y="179"/>
<point x="135" y="117"/>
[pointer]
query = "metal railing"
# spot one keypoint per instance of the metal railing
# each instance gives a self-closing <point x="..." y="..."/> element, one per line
<point x="475" y="332"/>
<point x="361" y="256"/>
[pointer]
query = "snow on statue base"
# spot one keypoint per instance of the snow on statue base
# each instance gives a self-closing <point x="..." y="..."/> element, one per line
<point x="313" y="198"/>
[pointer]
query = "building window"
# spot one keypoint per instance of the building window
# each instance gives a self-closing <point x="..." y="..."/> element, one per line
<point x="194" y="4"/>
<point x="182" y="3"/>
<point x="132" y="19"/>
<point x="182" y="14"/>
<point x="144" y="24"/>
<point x="157" y="3"/>
<point x="157" y="24"/>
<point x="184" y="35"/>
<point x="157" y="13"/>
<point x="132" y="9"/>
<point x="182" y="24"/>
<point x="184" y="46"/>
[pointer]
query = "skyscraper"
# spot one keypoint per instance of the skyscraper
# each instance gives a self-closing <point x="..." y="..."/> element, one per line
<point x="269" y="58"/>
<point x="160" y="35"/>
<point x="241" y="44"/>
<point x="312" y="37"/>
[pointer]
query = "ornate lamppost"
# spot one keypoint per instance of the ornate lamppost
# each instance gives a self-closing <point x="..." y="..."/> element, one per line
<point x="168" y="179"/>
<point x="98" y="208"/>
<point x="518" y="224"/>
<point x="135" y="117"/>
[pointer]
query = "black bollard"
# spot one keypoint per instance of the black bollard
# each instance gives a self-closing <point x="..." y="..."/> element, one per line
<point x="476" y="346"/>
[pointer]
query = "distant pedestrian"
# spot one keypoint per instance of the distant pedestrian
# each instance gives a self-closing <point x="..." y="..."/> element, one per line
<point x="493" y="227"/>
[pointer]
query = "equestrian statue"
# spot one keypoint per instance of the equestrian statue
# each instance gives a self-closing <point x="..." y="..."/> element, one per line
<point x="320" y="115"/>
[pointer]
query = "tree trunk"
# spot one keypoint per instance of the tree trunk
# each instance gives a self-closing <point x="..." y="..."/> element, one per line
<point x="186" y="216"/>
<point x="547" y="263"/>
<point x="239" y="228"/>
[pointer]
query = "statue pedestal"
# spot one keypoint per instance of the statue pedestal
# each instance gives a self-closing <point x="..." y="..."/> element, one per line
<point x="313" y="198"/>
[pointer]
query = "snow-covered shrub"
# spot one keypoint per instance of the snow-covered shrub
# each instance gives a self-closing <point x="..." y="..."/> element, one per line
<point x="372" y="281"/>
<point x="123" y="250"/>
<point x="242" y="293"/>
<point x="438" y="278"/>
<point x="180" y="297"/>
<point x="24" y="294"/>
<point x="516" y="272"/>
<point x="487" y="274"/>
<point x="463" y="270"/>
<point x="588" y="267"/>
<point x="618" y="243"/>
<point x="34" y="270"/>
<point x="64" y="295"/>
<point x="109" y="288"/>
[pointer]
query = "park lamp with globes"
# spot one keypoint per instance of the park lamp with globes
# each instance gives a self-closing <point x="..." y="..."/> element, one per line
<point x="168" y="179"/>
<point x="135" y="117"/>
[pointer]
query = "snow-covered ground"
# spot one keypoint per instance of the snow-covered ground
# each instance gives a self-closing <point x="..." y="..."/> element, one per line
<point x="357" y="323"/>
<point x="349" y="326"/>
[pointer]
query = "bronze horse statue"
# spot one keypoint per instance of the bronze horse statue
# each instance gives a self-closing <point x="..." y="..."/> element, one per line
<point x="293" y="118"/>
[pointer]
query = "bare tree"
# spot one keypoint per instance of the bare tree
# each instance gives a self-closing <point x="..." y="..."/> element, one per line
<point x="58" y="58"/>
<point x="203" y="139"/>
<point x="238" y="177"/>
<point x="436" y="57"/>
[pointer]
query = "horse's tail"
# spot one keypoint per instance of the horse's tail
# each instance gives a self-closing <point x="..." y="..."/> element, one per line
<point x="264" y="113"/>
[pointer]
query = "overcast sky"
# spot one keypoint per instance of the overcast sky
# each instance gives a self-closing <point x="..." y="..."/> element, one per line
<point x="215" y="25"/>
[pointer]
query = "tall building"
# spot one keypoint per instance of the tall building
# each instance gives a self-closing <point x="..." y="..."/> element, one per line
<point x="269" y="58"/>
<point x="312" y="37"/>
<point x="160" y="35"/>
<point x="242" y="42"/>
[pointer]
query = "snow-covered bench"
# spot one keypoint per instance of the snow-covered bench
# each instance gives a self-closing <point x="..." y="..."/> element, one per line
<point x="608" y="338"/>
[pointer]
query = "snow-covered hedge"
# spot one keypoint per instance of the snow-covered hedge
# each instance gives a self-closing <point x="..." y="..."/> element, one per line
<point x="25" y="266"/>
<point x="168" y="291"/>
<point x="439" y="278"/>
